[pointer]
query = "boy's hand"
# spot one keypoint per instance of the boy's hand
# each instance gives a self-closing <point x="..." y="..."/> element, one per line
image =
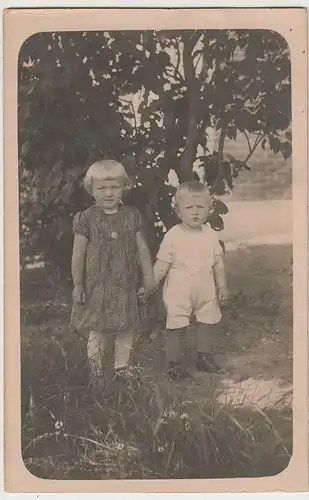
<point x="223" y="296"/>
<point x="79" y="295"/>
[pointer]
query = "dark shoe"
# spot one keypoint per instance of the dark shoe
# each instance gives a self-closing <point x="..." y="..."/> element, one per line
<point x="177" y="372"/>
<point x="206" y="363"/>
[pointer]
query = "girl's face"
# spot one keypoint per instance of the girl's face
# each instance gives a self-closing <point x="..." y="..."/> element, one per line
<point x="108" y="193"/>
<point x="193" y="209"/>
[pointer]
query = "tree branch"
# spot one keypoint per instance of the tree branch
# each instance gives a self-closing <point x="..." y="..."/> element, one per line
<point x="178" y="57"/>
<point x="248" y="141"/>
<point x="204" y="69"/>
<point x="219" y="175"/>
<point x="195" y="38"/>
<point x="198" y="60"/>
<point x="257" y="142"/>
<point x="133" y="112"/>
<point x="176" y="72"/>
<point x="135" y="121"/>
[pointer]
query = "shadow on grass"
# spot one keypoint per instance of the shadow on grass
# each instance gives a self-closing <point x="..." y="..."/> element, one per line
<point x="141" y="428"/>
<point x="145" y="428"/>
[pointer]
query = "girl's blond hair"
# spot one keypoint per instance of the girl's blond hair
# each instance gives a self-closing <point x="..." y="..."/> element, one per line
<point x="106" y="169"/>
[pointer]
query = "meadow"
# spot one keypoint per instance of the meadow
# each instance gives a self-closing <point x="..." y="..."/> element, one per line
<point x="148" y="427"/>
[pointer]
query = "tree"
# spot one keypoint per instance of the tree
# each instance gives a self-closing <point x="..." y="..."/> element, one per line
<point x="145" y="98"/>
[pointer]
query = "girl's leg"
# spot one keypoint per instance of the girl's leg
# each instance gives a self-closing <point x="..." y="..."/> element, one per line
<point x="97" y="347"/>
<point x="123" y="346"/>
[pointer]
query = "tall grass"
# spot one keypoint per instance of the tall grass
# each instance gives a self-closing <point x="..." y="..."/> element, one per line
<point x="145" y="427"/>
<point x="140" y="428"/>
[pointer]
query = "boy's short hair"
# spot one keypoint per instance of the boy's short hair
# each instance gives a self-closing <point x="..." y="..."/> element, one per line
<point x="191" y="187"/>
<point x="106" y="169"/>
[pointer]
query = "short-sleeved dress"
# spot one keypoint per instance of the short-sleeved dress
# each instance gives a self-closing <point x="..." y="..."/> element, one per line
<point x="112" y="270"/>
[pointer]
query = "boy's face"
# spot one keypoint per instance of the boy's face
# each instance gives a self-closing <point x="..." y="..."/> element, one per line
<point x="193" y="208"/>
<point x="108" y="193"/>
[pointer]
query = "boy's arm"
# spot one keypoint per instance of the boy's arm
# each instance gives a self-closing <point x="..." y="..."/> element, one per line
<point x="160" y="270"/>
<point x="78" y="267"/>
<point x="145" y="260"/>
<point x="220" y="278"/>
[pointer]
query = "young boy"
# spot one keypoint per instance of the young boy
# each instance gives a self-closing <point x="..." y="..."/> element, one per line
<point x="190" y="260"/>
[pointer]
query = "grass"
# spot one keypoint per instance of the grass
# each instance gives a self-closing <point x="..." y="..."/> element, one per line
<point x="148" y="428"/>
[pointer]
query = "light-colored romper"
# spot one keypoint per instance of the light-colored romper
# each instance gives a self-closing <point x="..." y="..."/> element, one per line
<point x="189" y="287"/>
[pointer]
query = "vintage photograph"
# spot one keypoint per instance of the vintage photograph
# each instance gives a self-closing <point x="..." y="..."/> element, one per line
<point x="156" y="254"/>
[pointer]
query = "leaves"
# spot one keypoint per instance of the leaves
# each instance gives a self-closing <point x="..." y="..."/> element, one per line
<point x="219" y="207"/>
<point x="144" y="98"/>
<point x="216" y="222"/>
<point x="25" y="148"/>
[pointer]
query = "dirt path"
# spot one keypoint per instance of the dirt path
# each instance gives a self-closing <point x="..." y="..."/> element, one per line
<point x="254" y="345"/>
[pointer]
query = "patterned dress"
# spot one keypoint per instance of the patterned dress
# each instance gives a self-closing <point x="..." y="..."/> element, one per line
<point x="112" y="271"/>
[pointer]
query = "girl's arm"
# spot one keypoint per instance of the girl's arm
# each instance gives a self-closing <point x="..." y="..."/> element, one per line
<point x="78" y="267"/>
<point x="220" y="278"/>
<point x="145" y="260"/>
<point x="160" y="270"/>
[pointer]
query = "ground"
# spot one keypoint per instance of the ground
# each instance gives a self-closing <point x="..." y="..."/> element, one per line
<point x="254" y="344"/>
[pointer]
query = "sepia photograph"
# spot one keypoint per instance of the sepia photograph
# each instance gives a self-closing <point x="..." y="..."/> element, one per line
<point x="156" y="283"/>
<point x="155" y="181"/>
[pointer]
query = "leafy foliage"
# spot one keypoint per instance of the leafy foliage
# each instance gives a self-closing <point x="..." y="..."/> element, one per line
<point x="145" y="98"/>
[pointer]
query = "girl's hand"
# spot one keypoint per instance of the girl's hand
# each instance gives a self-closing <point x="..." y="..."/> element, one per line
<point x="149" y="286"/>
<point x="223" y="296"/>
<point x="79" y="295"/>
<point x="141" y="295"/>
<point x="145" y="291"/>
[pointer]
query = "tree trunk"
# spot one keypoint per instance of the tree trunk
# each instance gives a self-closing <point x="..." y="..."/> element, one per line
<point x="189" y="155"/>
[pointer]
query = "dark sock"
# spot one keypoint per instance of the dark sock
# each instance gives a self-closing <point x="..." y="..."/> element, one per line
<point x="176" y="371"/>
<point x="206" y="363"/>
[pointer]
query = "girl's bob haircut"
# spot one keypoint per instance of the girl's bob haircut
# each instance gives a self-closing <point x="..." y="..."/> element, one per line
<point x="106" y="170"/>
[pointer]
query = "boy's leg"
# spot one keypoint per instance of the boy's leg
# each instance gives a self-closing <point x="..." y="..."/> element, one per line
<point x="178" y="308"/>
<point x="175" y="345"/>
<point x="204" y="342"/>
<point x="123" y="347"/>
<point x="175" y="350"/>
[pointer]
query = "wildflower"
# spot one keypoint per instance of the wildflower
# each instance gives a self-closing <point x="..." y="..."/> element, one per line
<point x="132" y="451"/>
<point x="160" y="449"/>
<point x="187" y="426"/>
<point x="133" y="371"/>
<point x="163" y="421"/>
<point x="184" y="416"/>
<point x="173" y="414"/>
<point x="58" y="424"/>
<point x="119" y="446"/>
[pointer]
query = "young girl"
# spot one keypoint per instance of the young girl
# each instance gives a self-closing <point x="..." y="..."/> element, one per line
<point x="109" y="254"/>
